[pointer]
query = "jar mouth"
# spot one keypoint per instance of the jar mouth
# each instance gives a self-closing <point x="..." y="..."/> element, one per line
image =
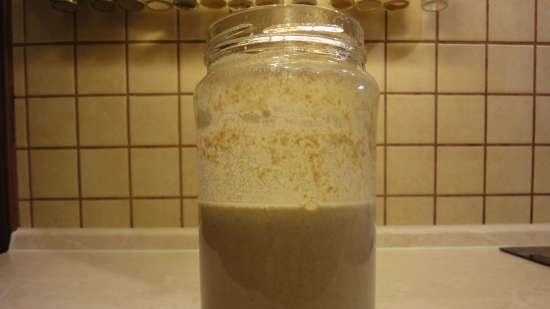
<point x="301" y="27"/>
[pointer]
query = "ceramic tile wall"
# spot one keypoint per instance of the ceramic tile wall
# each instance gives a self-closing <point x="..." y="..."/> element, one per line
<point x="105" y="127"/>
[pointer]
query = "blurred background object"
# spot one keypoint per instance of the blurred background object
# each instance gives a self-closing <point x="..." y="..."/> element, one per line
<point x="103" y="5"/>
<point x="131" y="5"/>
<point x="342" y="4"/>
<point x="434" y="5"/>
<point x="393" y="5"/>
<point x="368" y="5"/>
<point x="185" y="4"/>
<point x="159" y="5"/>
<point x="213" y="4"/>
<point x="65" y="5"/>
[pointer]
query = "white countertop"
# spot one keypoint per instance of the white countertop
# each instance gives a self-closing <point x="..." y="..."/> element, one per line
<point x="412" y="277"/>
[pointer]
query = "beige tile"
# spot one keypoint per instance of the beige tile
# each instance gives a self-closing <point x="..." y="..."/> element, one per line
<point x="190" y="171"/>
<point x="50" y="70"/>
<point x="99" y="26"/>
<point x="380" y="211"/>
<point x="460" y="170"/>
<point x="157" y="213"/>
<point x="194" y="23"/>
<point x="52" y="122"/>
<point x="380" y="134"/>
<point x="192" y="68"/>
<point x="380" y="170"/>
<point x="411" y="67"/>
<point x="375" y="62"/>
<point x="24" y="214"/>
<point x="543" y="20"/>
<point x="463" y="20"/>
<point x="411" y="118"/>
<point x="188" y="123"/>
<point x="509" y="119"/>
<point x="542" y="128"/>
<point x="542" y="169"/>
<point x="56" y="213"/>
<point x="508" y="169"/>
<point x="44" y="24"/>
<point x="153" y="68"/>
<point x="22" y="173"/>
<point x="461" y="119"/>
<point x="510" y="69"/>
<point x="190" y="212"/>
<point x="152" y="25"/>
<point x="410" y="170"/>
<point x="20" y="123"/>
<point x="511" y="20"/>
<point x="155" y="172"/>
<point x="101" y="68"/>
<point x="453" y="75"/>
<point x="104" y="172"/>
<point x="459" y="210"/>
<point x="410" y="210"/>
<point x="18" y="63"/>
<point x="154" y="120"/>
<point x="17" y="21"/>
<point x="102" y="121"/>
<point x="543" y="69"/>
<point x="541" y="209"/>
<point x="54" y="173"/>
<point x="411" y="24"/>
<point x="507" y="209"/>
<point x="106" y="213"/>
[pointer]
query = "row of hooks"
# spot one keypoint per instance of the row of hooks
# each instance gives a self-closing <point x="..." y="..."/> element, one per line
<point x="235" y="5"/>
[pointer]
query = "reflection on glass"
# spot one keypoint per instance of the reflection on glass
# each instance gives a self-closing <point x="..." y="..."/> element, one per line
<point x="235" y="5"/>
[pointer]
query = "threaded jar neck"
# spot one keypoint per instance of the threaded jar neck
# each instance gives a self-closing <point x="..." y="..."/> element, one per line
<point x="301" y="28"/>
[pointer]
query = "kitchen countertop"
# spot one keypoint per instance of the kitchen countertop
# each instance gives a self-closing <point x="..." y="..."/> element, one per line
<point x="407" y="277"/>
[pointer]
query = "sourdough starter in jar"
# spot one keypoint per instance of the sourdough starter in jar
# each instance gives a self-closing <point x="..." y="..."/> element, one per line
<point x="287" y="165"/>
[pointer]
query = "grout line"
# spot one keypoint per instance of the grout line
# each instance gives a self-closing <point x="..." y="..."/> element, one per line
<point x="77" y="123"/>
<point x="65" y="95"/>
<point x="179" y="41"/>
<point x="434" y="220"/>
<point x="27" y="114"/>
<point x="128" y="134"/>
<point x="180" y="152"/>
<point x="385" y="149"/>
<point x="107" y="147"/>
<point x="485" y="107"/>
<point x="462" y="195"/>
<point x="96" y="198"/>
<point x="195" y="146"/>
<point x="534" y="118"/>
<point x="173" y="197"/>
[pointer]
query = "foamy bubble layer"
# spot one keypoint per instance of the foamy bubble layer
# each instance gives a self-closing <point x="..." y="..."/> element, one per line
<point x="286" y="135"/>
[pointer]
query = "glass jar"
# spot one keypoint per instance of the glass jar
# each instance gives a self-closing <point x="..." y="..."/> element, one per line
<point x="286" y="121"/>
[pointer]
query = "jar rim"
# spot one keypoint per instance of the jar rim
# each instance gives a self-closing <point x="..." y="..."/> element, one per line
<point x="303" y="27"/>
